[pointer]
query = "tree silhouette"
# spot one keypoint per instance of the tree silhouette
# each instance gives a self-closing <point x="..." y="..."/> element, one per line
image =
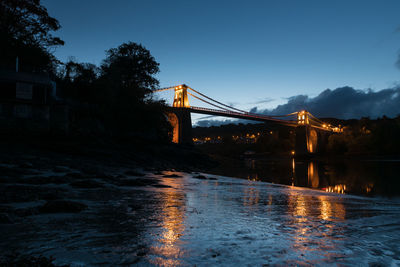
<point x="79" y="81"/>
<point x="119" y="92"/>
<point x="25" y="31"/>
<point x="127" y="77"/>
<point x="129" y="69"/>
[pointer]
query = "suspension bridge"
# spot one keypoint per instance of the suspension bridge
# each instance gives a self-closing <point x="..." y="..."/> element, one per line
<point x="309" y="129"/>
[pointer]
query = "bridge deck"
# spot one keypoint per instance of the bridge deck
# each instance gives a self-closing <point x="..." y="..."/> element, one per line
<point x="237" y="115"/>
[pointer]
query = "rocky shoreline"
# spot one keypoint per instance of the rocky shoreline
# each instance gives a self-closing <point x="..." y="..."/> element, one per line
<point x="84" y="183"/>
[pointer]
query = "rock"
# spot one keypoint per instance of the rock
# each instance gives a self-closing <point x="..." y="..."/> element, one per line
<point x="141" y="253"/>
<point x="91" y="170"/>
<point x="171" y="176"/>
<point x="61" y="169"/>
<point x="38" y="180"/>
<point x="16" y="259"/>
<point x="62" y="206"/>
<point x="5" y="219"/>
<point x="161" y="186"/>
<point x="50" y="196"/>
<point x="6" y="180"/>
<point x="134" y="173"/>
<point x="14" y="171"/>
<point x="19" y="193"/>
<point x="202" y="177"/>
<point x="23" y="212"/>
<point x="26" y="165"/>
<point x="136" y="182"/>
<point x="75" y="175"/>
<point x="86" y="184"/>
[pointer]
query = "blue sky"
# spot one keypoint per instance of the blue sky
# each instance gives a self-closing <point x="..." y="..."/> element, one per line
<point x="248" y="53"/>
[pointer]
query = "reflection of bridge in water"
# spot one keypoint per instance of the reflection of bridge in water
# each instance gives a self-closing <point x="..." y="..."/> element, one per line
<point x="311" y="133"/>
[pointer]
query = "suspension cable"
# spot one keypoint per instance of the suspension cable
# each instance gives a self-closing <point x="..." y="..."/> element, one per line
<point x="209" y="98"/>
<point x="208" y="102"/>
<point x="315" y="118"/>
<point x="287" y="115"/>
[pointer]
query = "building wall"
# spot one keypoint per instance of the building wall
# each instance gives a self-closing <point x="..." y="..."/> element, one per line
<point x="27" y="104"/>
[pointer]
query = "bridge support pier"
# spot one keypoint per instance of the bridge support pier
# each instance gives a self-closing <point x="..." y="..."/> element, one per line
<point x="306" y="141"/>
<point x="181" y="122"/>
<point x="310" y="140"/>
<point x="323" y="137"/>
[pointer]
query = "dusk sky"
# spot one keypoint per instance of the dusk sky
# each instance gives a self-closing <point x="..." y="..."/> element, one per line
<point x="246" y="53"/>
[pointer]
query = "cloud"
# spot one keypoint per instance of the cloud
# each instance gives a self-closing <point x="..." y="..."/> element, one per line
<point x="232" y="104"/>
<point x="263" y="101"/>
<point x="253" y="110"/>
<point x="344" y="103"/>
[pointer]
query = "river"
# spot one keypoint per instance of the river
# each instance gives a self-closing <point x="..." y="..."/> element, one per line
<point x="211" y="220"/>
<point x="366" y="177"/>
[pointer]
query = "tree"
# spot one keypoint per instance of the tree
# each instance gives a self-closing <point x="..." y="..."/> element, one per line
<point x="118" y="94"/>
<point x="79" y="81"/>
<point x="126" y="82"/>
<point x="25" y="31"/>
<point x="129" y="69"/>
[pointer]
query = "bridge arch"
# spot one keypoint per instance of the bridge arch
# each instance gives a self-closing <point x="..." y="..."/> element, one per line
<point x="312" y="140"/>
<point x="181" y="122"/>
<point x="174" y="121"/>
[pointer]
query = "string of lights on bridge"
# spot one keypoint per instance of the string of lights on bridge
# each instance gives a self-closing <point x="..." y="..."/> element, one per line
<point x="295" y="119"/>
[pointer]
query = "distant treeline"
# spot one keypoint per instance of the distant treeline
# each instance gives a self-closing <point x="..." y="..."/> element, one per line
<point x="368" y="137"/>
<point x="360" y="137"/>
<point x="236" y="139"/>
<point x="114" y="98"/>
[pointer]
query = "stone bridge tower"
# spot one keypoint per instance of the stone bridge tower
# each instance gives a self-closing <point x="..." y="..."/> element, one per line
<point x="181" y="97"/>
<point x="180" y="118"/>
<point x="309" y="140"/>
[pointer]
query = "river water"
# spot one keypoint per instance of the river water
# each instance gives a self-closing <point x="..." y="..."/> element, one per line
<point x="373" y="178"/>
<point x="213" y="220"/>
<point x="233" y="222"/>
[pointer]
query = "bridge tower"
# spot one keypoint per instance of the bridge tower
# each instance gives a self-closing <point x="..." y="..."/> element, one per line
<point x="306" y="136"/>
<point x="181" y="97"/>
<point x="180" y="118"/>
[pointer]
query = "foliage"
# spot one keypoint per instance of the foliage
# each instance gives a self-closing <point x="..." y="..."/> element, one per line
<point x="367" y="137"/>
<point x="78" y="81"/>
<point x="360" y="137"/>
<point x="130" y="68"/>
<point x="269" y="139"/>
<point x="25" y="32"/>
<point x="118" y="92"/>
<point x="273" y="143"/>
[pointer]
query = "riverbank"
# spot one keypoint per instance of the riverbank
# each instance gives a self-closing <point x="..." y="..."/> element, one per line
<point x="48" y="177"/>
<point x="135" y="152"/>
